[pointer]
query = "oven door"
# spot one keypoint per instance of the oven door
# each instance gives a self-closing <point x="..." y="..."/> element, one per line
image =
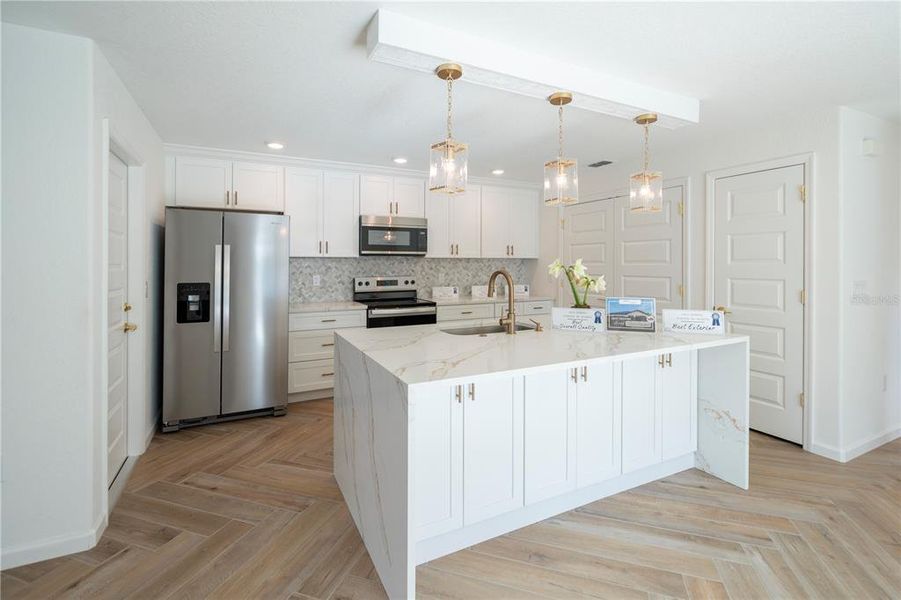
<point x="393" y="235"/>
<point x="394" y="317"/>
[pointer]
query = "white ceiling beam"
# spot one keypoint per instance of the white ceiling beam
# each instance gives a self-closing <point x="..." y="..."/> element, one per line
<point x="403" y="41"/>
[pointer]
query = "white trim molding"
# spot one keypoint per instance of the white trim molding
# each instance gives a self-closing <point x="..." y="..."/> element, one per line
<point x="54" y="546"/>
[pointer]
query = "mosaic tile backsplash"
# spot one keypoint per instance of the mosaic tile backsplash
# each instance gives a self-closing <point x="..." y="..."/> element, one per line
<point x="336" y="274"/>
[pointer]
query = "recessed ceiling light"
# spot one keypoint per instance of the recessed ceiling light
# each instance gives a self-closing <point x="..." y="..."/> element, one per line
<point x="497" y="172"/>
<point x="275" y="145"/>
<point x="400" y="160"/>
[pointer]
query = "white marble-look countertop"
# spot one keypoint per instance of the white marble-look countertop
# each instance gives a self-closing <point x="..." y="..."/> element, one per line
<point x="495" y="300"/>
<point x="425" y="353"/>
<point x="307" y="307"/>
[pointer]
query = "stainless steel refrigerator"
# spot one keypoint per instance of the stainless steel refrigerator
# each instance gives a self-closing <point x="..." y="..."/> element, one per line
<point x="225" y="322"/>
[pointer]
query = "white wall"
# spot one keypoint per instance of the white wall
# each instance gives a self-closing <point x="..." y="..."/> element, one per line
<point x="56" y="90"/>
<point x="871" y="315"/>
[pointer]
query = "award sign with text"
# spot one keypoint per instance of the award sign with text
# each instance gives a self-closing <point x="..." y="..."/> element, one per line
<point x="578" y="319"/>
<point x="708" y="322"/>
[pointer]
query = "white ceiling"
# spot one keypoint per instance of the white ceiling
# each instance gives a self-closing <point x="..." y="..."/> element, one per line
<point x="233" y="75"/>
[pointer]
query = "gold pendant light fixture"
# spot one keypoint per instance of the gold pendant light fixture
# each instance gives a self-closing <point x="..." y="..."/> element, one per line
<point x="561" y="176"/>
<point x="448" y="168"/>
<point x="646" y="187"/>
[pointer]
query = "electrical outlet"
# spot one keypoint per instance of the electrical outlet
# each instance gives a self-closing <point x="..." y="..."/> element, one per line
<point x="317" y="280"/>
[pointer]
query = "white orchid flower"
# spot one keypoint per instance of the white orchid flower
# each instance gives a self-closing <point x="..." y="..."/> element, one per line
<point x="599" y="285"/>
<point x="555" y="268"/>
<point x="580" y="271"/>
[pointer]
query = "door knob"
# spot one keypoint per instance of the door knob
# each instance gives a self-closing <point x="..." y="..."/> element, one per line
<point x="126" y="307"/>
<point x="127" y="327"/>
<point x="723" y="310"/>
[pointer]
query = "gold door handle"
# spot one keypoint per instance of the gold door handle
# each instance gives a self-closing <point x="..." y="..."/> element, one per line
<point x="127" y="327"/>
<point x="669" y="359"/>
<point x="660" y="360"/>
<point x="584" y="373"/>
<point x="458" y="393"/>
<point x="472" y="391"/>
<point x="236" y="197"/>
<point x="227" y="193"/>
<point x="723" y="310"/>
<point x="574" y="374"/>
<point x="326" y="246"/>
<point x="126" y="307"/>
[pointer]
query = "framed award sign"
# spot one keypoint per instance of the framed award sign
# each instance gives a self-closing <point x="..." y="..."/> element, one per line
<point x="632" y="314"/>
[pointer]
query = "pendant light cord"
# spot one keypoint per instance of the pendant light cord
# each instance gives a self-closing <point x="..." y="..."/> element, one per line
<point x="647" y="152"/>
<point x="560" y="133"/>
<point x="450" y="83"/>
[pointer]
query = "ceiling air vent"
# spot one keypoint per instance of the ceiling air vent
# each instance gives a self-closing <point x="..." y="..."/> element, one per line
<point x="601" y="163"/>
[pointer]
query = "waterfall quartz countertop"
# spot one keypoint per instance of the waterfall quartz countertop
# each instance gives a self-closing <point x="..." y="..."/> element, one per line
<point x="425" y="353"/>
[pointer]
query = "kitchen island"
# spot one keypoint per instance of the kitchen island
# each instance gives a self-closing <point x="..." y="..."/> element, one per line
<point x="443" y="441"/>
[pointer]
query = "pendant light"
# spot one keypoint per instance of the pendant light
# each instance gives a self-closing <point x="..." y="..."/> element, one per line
<point x="646" y="187"/>
<point x="448" y="168"/>
<point x="561" y="176"/>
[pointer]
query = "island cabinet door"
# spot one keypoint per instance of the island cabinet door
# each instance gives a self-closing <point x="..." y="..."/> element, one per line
<point x="438" y="460"/>
<point x="598" y="433"/>
<point x="492" y="448"/>
<point x="550" y="433"/>
<point x="641" y="414"/>
<point x="677" y="404"/>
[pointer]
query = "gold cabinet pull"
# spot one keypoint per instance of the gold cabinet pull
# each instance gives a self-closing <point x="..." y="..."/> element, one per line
<point x="327" y="345"/>
<point x="660" y="360"/>
<point x="236" y="197"/>
<point x="585" y="373"/>
<point x="126" y="307"/>
<point x="458" y="393"/>
<point x="574" y="374"/>
<point x="326" y="246"/>
<point x="226" y="197"/>
<point x="669" y="359"/>
<point x="328" y="320"/>
<point x="129" y="327"/>
<point x="328" y="374"/>
<point x="472" y="391"/>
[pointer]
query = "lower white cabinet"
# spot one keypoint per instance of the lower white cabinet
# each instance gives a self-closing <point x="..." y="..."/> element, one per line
<point x="641" y="417"/>
<point x="550" y="433"/>
<point x="311" y="348"/>
<point x="311" y="375"/>
<point x="599" y="425"/>
<point x="676" y="396"/>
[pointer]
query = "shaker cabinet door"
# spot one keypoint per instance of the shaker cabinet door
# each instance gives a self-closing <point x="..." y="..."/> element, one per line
<point x="340" y="215"/>
<point x="257" y="186"/>
<point x="376" y="195"/>
<point x="492" y="448"/>
<point x="438" y="461"/>
<point x="495" y="222"/>
<point x="202" y="182"/>
<point x="599" y="425"/>
<point x="640" y="413"/>
<point x="523" y="219"/>
<point x="677" y="405"/>
<point x="550" y="433"/>
<point x="437" y="213"/>
<point x="466" y="222"/>
<point x="303" y="204"/>
<point x="409" y="197"/>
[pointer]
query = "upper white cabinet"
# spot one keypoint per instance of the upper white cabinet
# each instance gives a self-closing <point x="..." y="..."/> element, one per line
<point x="509" y="222"/>
<point x="217" y="183"/>
<point x="393" y="196"/>
<point x="455" y="224"/>
<point x="323" y="210"/>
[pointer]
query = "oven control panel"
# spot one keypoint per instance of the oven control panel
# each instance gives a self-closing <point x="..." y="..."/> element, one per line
<point x="384" y="284"/>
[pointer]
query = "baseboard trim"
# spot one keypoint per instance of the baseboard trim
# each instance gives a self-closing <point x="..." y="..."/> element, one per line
<point x="54" y="546"/>
<point x="311" y="395"/>
<point x="871" y="444"/>
<point x="151" y="431"/>
<point x="826" y="451"/>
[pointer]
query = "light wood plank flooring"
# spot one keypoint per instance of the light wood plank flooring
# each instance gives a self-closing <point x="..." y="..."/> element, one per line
<point x="250" y="510"/>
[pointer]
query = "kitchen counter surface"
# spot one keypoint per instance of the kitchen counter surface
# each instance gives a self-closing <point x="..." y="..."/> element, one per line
<point x="497" y="300"/>
<point x="425" y="353"/>
<point x="307" y="307"/>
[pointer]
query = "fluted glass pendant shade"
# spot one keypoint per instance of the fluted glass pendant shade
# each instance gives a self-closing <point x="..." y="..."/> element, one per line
<point x="646" y="187"/>
<point x="561" y="176"/>
<point x="449" y="159"/>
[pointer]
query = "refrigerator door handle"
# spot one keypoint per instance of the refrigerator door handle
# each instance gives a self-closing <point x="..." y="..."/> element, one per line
<point x="217" y="297"/>
<point x="226" y="294"/>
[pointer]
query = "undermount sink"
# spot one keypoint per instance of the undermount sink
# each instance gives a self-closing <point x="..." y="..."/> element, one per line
<point x="484" y="330"/>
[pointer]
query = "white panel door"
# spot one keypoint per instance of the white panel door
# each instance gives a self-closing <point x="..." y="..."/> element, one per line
<point x="117" y="358"/>
<point x="550" y="433"/>
<point x="641" y="415"/>
<point x="648" y="254"/>
<point x="376" y="195"/>
<point x="588" y="234"/>
<point x="523" y="219"/>
<point x="466" y="222"/>
<point x="437" y="213"/>
<point x="303" y="204"/>
<point x="678" y="428"/>
<point x="340" y="214"/>
<point x="257" y="186"/>
<point x="495" y="222"/>
<point x="203" y="182"/>
<point x="409" y="197"/>
<point x="438" y="461"/>
<point x="599" y="430"/>
<point x="492" y="448"/>
<point x="758" y="274"/>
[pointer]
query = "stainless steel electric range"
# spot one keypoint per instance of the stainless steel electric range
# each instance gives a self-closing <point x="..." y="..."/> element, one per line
<point x="392" y="302"/>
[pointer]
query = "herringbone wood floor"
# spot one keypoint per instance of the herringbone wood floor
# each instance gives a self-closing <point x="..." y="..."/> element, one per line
<point x="250" y="510"/>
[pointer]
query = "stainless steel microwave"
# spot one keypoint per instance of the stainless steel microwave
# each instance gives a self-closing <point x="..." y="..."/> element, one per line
<point x="407" y="236"/>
